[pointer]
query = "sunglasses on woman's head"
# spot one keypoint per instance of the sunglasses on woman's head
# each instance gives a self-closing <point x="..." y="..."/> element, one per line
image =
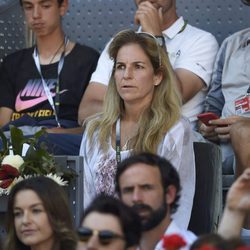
<point x="105" y="236"/>
<point x="145" y="35"/>
<point x="151" y="36"/>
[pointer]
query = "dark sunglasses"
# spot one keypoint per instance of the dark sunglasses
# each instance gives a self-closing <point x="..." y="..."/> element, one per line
<point x="105" y="236"/>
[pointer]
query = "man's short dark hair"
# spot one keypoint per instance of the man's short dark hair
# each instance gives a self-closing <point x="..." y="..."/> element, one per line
<point x="129" y="220"/>
<point x="169" y="175"/>
<point x="59" y="2"/>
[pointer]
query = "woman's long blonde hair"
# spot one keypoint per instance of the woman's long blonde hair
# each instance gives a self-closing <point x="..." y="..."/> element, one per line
<point x="164" y="110"/>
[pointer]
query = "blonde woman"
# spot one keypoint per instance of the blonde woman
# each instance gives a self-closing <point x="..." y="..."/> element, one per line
<point x="141" y="114"/>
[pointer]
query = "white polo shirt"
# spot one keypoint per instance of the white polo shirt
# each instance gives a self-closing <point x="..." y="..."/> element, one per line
<point x="188" y="236"/>
<point x="192" y="49"/>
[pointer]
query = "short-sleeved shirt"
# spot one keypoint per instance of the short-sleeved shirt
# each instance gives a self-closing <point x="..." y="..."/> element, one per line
<point x="192" y="49"/>
<point x="188" y="236"/>
<point x="231" y="76"/>
<point x="21" y="87"/>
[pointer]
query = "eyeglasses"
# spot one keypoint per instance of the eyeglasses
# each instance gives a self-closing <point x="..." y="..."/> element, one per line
<point x="105" y="236"/>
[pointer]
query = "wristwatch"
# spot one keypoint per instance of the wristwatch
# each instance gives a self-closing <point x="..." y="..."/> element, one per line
<point x="161" y="41"/>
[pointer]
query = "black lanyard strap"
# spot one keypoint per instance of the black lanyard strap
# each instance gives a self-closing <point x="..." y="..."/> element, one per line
<point x="118" y="140"/>
<point x="183" y="27"/>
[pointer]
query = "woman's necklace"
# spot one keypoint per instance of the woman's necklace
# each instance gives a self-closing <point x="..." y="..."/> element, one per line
<point x="118" y="147"/>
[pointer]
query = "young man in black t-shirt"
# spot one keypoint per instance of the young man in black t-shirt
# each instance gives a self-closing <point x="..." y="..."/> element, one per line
<point x="45" y="82"/>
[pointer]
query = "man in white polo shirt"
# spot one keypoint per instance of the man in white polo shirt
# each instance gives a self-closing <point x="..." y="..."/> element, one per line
<point x="191" y="52"/>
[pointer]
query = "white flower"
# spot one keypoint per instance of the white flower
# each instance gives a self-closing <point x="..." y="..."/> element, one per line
<point x="54" y="177"/>
<point x="57" y="179"/>
<point x="13" y="160"/>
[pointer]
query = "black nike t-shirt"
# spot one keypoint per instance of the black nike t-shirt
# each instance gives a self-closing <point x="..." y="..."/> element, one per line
<point x="21" y="87"/>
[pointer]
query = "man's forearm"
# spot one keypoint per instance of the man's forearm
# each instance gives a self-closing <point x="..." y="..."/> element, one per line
<point x="231" y="223"/>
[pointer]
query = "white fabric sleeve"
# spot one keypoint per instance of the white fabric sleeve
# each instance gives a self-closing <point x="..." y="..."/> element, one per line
<point x="104" y="67"/>
<point x="89" y="191"/>
<point x="177" y="147"/>
<point x="199" y="58"/>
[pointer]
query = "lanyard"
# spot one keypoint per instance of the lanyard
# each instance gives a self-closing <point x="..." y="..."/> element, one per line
<point x="54" y="105"/>
<point x="118" y="141"/>
<point x="183" y="27"/>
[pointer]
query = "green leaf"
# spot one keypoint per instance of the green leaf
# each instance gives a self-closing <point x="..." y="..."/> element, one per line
<point x="37" y="161"/>
<point x="5" y="149"/>
<point x="17" y="140"/>
<point x="39" y="133"/>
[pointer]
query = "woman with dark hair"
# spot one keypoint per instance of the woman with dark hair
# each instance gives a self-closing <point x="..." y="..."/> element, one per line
<point x="212" y="240"/>
<point x="38" y="217"/>
<point x="141" y="114"/>
<point x="109" y="224"/>
<point x="215" y="241"/>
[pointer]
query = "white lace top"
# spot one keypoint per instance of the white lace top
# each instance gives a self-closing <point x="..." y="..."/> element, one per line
<point x="176" y="146"/>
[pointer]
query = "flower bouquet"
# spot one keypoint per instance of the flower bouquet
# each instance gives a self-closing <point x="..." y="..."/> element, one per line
<point x="14" y="166"/>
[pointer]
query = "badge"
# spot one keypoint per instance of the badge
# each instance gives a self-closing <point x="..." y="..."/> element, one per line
<point x="242" y="105"/>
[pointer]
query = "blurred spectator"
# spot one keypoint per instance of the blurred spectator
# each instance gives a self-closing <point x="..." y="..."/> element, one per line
<point x="229" y="95"/>
<point x="109" y="224"/>
<point x="38" y="217"/>
<point x="151" y="186"/>
<point x="42" y="86"/>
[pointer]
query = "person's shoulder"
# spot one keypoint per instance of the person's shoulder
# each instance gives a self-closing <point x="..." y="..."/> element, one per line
<point x="18" y="55"/>
<point x="86" y="50"/>
<point x="238" y="35"/>
<point x="233" y="41"/>
<point x="181" y="130"/>
<point x="196" y="32"/>
<point x="188" y="236"/>
<point x="183" y="123"/>
<point x="92" y="119"/>
<point x="13" y="61"/>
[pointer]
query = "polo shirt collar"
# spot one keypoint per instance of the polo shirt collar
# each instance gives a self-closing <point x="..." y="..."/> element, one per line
<point x="175" y="28"/>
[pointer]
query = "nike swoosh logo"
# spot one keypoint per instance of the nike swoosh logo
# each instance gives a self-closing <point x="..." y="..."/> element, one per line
<point x="25" y="104"/>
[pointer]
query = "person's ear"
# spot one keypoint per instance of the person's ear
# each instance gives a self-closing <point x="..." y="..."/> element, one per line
<point x="158" y="78"/>
<point x="64" y="7"/>
<point x="171" y="194"/>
